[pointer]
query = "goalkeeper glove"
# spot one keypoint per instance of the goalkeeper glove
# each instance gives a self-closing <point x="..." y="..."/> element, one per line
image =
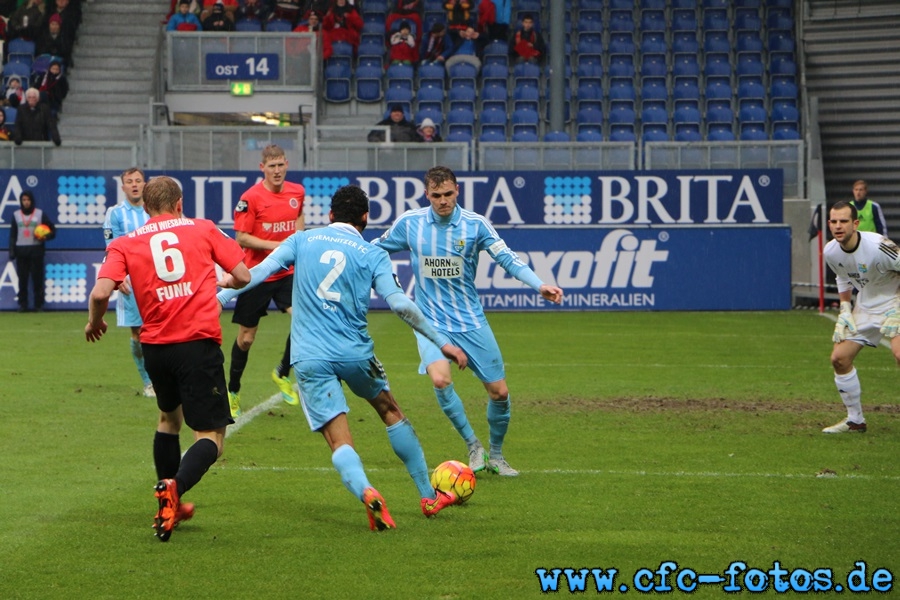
<point x="891" y="326"/>
<point x="845" y="323"/>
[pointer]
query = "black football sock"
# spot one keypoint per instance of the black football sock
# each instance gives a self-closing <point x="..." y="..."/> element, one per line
<point x="196" y="462"/>
<point x="166" y="454"/>
<point x="236" y="370"/>
<point x="284" y="367"/>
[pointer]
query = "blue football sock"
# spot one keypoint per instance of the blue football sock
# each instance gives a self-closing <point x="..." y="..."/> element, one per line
<point x="407" y="447"/>
<point x="498" y="422"/>
<point x="452" y="406"/>
<point x="349" y="466"/>
<point x="137" y="353"/>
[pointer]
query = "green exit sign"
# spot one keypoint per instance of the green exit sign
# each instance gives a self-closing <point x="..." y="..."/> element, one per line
<point x="239" y="88"/>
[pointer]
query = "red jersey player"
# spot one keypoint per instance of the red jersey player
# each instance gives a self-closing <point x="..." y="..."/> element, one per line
<point x="171" y="261"/>
<point x="265" y="216"/>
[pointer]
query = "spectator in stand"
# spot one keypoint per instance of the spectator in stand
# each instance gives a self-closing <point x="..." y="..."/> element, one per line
<point x="68" y="19"/>
<point x="401" y="129"/>
<point x="5" y="134"/>
<point x="435" y="44"/>
<point x="15" y="93"/>
<point x="34" y="121"/>
<point x="459" y="17"/>
<point x="343" y="23"/>
<point x="54" y="42"/>
<point x="314" y="23"/>
<point x="468" y="49"/>
<point x="229" y="7"/>
<point x="26" y="21"/>
<point x="403" y="46"/>
<point x="53" y="86"/>
<point x="526" y="44"/>
<point x="407" y="10"/>
<point x="428" y="132"/>
<point x="184" y="19"/>
<point x="217" y="20"/>
<point x="252" y="9"/>
<point x="493" y="19"/>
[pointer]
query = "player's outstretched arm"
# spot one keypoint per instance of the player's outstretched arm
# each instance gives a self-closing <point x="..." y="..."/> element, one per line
<point x="404" y="308"/>
<point x="551" y="293"/>
<point x="97" y="305"/>
<point x="242" y="279"/>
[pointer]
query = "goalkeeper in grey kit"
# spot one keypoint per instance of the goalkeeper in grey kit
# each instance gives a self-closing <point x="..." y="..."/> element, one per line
<point x="870" y="263"/>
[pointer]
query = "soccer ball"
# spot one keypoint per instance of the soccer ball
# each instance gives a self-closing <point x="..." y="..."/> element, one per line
<point x="41" y="232"/>
<point x="454" y="476"/>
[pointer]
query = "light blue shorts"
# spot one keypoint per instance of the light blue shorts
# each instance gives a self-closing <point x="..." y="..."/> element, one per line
<point x="480" y="346"/>
<point x="127" y="314"/>
<point x="321" y="393"/>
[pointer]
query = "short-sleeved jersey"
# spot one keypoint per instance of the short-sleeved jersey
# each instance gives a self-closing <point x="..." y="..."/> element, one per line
<point x="172" y="263"/>
<point x="444" y="257"/>
<point x="332" y="287"/>
<point x="873" y="268"/>
<point x="121" y="219"/>
<point x="268" y="216"/>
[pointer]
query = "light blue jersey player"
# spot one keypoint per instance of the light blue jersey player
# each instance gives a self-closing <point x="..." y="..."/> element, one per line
<point x="445" y="242"/>
<point x="124" y="218"/>
<point x="335" y="271"/>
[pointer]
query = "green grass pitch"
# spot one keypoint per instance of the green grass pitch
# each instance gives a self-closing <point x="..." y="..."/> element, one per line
<point x="641" y="438"/>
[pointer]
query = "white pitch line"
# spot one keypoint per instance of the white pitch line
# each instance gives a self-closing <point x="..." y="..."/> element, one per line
<point x="698" y="474"/>
<point x="252" y="414"/>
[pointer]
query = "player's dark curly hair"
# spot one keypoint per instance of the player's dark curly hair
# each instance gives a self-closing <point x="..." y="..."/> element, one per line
<point x="348" y="205"/>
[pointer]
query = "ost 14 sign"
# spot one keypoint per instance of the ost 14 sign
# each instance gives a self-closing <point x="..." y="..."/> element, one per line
<point x="241" y="66"/>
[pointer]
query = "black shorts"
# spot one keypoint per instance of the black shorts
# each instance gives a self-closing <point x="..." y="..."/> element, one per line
<point x="190" y="375"/>
<point x="251" y="305"/>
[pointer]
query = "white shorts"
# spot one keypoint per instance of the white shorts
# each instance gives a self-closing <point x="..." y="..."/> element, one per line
<point x="868" y="328"/>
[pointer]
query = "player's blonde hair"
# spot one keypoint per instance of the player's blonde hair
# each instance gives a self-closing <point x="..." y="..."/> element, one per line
<point x="161" y="195"/>
<point x="272" y="151"/>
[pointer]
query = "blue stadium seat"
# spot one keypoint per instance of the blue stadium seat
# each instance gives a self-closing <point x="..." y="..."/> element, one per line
<point x="432" y="73"/>
<point x="621" y="112"/>
<point x="654" y="132"/>
<point x="280" y="25"/>
<point x="462" y="96"/>
<point x="622" y="88"/>
<point x="621" y="20"/>
<point x="785" y="131"/>
<point x="719" y="87"/>
<point x="684" y="20"/>
<point x="785" y="113"/>
<point x="526" y="97"/>
<point x="715" y="19"/>
<point x="685" y="65"/>
<point x="493" y="133"/>
<point x="686" y="42"/>
<point x="622" y="132"/>
<point x="525" y="135"/>
<point x="461" y="119"/>
<point x="749" y="63"/>
<point x="752" y="112"/>
<point x="692" y="4"/>
<point x="653" y="42"/>
<point x="621" y="65"/>
<point x="337" y="82"/>
<point x="686" y="88"/>
<point x="747" y="19"/>
<point x="687" y="132"/>
<point x="720" y="132"/>
<point x="526" y="74"/>
<point x="523" y="119"/>
<point x="653" y="20"/>
<point x="654" y="88"/>
<point x="718" y="64"/>
<point x="590" y="20"/>
<point x="780" y="41"/>
<point x="753" y="131"/>
<point x="621" y="42"/>
<point x="459" y="133"/>
<point x="751" y="88"/>
<point x="250" y="25"/>
<point x="494" y="90"/>
<point x="369" y="83"/>
<point x="589" y="133"/>
<point x="783" y="86"/>
<point x="748" y="41"/>
<point x="653" y="4"/>
<point x="557" y="136"/>
<point x="716" y="41"/>
<point x="654" y="65"/>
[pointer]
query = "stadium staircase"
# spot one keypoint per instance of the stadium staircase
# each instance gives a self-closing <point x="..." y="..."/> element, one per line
<point x="852" y="49"/>
<point x="115" y="60"/>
